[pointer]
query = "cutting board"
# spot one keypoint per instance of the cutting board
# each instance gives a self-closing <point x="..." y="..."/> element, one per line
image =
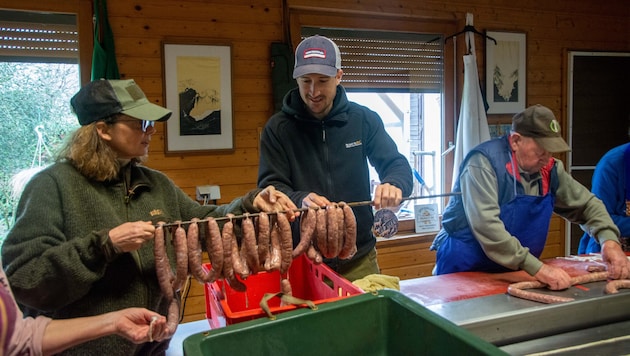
<point x="465" y="285"/>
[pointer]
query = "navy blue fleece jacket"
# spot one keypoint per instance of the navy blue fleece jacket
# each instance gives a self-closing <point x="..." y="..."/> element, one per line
<point x="300" y="154"/>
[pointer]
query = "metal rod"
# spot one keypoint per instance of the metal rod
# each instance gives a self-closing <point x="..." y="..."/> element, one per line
<point x="353" y="204"/>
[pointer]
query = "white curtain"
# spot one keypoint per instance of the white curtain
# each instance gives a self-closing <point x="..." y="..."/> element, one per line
<point x="472" y="128"/>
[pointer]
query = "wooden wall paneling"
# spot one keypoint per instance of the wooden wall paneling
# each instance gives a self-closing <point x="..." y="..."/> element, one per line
<point x="251" y="25"/>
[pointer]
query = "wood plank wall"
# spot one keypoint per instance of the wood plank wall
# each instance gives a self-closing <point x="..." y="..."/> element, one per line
<point x="139" y="26"/>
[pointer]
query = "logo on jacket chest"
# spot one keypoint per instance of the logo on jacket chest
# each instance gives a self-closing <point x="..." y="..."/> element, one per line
<point x="354" y="144"/>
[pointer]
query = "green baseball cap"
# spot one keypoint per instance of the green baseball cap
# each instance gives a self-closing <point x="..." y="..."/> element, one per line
<point x="539" y="123"/>
<point x="102" y="98"/>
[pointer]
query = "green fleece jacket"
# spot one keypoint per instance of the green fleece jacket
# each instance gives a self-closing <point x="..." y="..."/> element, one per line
<point x="59" y="263"/>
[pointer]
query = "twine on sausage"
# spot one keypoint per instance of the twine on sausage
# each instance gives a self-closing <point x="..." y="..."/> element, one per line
<point x="352" y="204"/>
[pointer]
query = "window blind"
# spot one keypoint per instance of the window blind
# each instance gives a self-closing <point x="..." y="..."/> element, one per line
<point x="38" y="37"/>
<point x="387" y="61"/>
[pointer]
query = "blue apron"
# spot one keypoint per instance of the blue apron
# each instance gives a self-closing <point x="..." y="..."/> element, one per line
<point x="525" y="217"/>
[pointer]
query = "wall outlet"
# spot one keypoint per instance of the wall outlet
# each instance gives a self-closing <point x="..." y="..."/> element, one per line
<point x="208" y="192"/>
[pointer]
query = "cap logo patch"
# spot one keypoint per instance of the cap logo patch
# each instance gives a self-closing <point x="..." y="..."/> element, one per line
<point x="554" y="126"/>
<point x="134" y="92"/>
<point x="315" y="53"/>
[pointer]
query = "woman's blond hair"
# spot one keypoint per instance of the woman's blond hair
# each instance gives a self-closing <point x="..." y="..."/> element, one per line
<point x="91" y="155"/>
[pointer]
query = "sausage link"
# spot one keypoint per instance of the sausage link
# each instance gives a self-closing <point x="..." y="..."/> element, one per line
<point x="275" y="251"/>
<point x="194" y="252"/>
<point x="314" y="255"/>
<point x="589" y="277"/>
<point x="518" y="289"/>
<point x="172" y="318"/>
<point x="536" y="297"/>
<point x="238" y="263"/>
<point x="340" y="229"/>
<point x="228" y="269"/>
<point x="263" y="239"/>
<point x="308" y="220"/>
<point x="349" y="247"/>
<point x="286" y="243"/>
<point x="181" y="257"/>
<point x="332" y="232"/>
<point x="214" y="248"/>
<point x="249" y="250"/>
<point x="613" y="287"/>
<point x="322" y="232"/>
<point x="285" y="288"/>
<point x="162" y="264"/>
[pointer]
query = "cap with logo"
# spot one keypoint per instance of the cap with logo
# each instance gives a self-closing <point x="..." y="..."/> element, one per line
<point x="102" y="98"/>
<point x="539" y="123"/>
<point x="317" y="54"/>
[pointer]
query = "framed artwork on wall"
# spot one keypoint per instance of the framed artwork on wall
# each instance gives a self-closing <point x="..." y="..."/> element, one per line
<point x="506" y="70"/>
<point x="197" y="80"/>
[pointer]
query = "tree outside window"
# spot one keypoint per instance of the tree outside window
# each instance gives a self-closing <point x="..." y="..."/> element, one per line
<point x="36" y="117"/>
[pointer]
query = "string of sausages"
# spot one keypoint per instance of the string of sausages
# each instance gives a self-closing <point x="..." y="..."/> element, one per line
<point x="351" y="204"/>
<point x="263" y="243"/>
<point x="596" y="274"/>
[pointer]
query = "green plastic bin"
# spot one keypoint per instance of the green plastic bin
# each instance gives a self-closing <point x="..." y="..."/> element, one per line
<point x="383" y="323"/>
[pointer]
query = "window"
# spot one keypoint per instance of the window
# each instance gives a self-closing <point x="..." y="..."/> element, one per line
<point x="40" y="72"/>
<point x="399" y="75"/>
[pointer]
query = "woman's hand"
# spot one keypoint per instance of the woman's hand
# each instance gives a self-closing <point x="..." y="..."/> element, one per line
<point x="272" y="200"/>
<point x="139" y="325"/>
<point x="131" y="235"/>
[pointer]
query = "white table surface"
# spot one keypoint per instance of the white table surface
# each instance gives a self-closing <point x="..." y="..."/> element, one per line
<point x="183" y="331"/>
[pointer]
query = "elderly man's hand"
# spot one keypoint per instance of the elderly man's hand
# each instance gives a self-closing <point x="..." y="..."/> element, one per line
<point x="555" y="278"/>
<point x="616" y="260"/>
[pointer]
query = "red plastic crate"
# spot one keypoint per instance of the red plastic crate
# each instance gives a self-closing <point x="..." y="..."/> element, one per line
<point x="308" y="281"/>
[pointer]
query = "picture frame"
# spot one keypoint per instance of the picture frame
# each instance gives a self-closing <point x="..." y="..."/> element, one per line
<point x="506" y="70"/>
<point x="197" y="81"/>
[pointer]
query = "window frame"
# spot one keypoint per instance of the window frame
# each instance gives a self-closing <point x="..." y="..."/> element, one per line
<point x="83" y="11"/>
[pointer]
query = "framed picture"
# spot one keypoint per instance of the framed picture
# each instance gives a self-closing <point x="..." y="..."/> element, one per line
<point x="198" y="89"/>
<point x="505" y="72"/>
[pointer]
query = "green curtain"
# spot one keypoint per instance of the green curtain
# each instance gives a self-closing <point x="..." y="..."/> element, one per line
<point x="104" y="64"/>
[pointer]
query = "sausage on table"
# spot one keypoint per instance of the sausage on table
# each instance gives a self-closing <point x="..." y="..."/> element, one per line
<point x="518" y="289"/>
<point x="613" y="287"/>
